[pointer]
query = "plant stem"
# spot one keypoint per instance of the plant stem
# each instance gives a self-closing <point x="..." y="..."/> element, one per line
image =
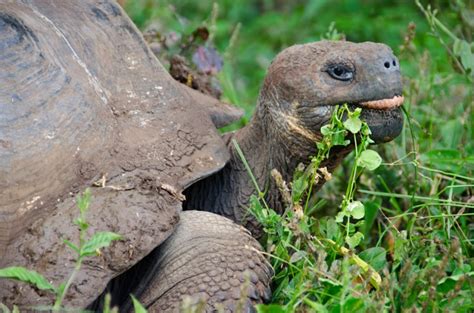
<point x="60" y="297"/>
<point x="249" y="171"/>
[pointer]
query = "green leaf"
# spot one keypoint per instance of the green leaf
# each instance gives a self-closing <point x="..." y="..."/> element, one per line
<point x="331" y="282"/>
<point x="369" y="159"/>
<point x="353" y="124"/>
<point x="400" y="248"/>
<point x="326" y="130"/>
<point x="366" y="132"/>
<point x="332" y="230"/>
<point x="463" y="50"/>
<point x="4" y="308"/>
<point x="354" y="240"/>
<point x="317" y="307"/>
<point x="353" y="304"/>
<point x="444" y="159"/>
<point x="84" y="200"/>
<point x="60" y="289"/>
<point x="298" y="255"/>
<point x="137" y="306"/>
<point x="356" y="113"/>
<point x="356" y="209"/>
<point x="339" y="138"/>
<point x="371" y="210"/>
<point x="81" y="223"/>
<point x="98" y="240"/>
<point x="270" y="308"/>
<point x="340" y="217"/>
<point x="458" y="273"/>
<point x="257" y="209"/>
<point x="451" y="133"/>
<point x="26" y="276"/>
<point x="107" y="308"/>
<point x="72" y="246"/>
<point x="375" y="256"/>
<point x="298" y="187"/>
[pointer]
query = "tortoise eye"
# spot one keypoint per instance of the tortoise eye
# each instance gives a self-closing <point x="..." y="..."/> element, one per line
<point x="340" y="72"/>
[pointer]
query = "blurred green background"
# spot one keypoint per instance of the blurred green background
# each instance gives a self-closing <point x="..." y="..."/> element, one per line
<point x="268" y="26"/>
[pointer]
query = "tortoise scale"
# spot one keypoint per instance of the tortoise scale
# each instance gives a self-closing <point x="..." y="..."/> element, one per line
<point x="82" y="99"/>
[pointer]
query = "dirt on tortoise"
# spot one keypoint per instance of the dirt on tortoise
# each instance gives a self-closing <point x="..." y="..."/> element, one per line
<point x="101" y="112"/>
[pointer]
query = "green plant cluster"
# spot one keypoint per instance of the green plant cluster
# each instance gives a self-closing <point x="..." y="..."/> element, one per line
<point x="317" y="266"/>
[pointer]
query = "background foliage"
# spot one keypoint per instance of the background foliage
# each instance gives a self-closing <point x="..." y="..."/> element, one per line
<point x="419" y="204"/>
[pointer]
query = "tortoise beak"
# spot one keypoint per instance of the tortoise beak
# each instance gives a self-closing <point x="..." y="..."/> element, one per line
<point x="385" y="124"/>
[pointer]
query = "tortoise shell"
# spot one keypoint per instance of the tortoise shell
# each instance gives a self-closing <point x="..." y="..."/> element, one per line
<point x="82" y="99"/>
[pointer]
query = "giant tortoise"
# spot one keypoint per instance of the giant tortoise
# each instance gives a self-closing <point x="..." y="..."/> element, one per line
<point x="82" y="99"/>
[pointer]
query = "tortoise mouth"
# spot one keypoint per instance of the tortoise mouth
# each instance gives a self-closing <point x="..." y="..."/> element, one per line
<point x="383" y="104"/>
<point x="383" y="116"/>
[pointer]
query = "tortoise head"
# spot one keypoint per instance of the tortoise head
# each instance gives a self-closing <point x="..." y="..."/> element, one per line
<point x="305" y="82"/>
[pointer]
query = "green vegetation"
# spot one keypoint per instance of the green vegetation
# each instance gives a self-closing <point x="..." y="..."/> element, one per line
<point x="397" y="237"/>
<point x="86" y="248"/>
<point x="316" y="263"/>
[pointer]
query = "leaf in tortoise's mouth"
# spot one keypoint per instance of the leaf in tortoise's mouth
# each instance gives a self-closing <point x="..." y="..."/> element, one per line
<point x="383" y="104"/>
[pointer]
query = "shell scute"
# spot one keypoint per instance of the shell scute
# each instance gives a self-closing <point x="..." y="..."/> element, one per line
<point x="82" y="99"/>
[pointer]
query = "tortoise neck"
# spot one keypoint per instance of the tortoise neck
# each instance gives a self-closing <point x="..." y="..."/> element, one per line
<point x="268" y="142"/>
<point x="228" y="191"/>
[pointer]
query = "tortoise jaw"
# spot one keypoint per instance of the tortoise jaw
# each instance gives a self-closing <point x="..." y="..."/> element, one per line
<point x="383" y="104"/>
<point x="383" y="116"/>
<point x="385" y="123"/>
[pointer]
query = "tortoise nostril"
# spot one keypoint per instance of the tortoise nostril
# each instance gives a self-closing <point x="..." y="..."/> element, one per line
<point x="387" y="64"/>
<point x="394" y="63"/>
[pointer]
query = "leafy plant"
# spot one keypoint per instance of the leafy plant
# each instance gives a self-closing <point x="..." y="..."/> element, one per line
<point x="137" y="306"/>
<point x="299" y="245"/>
<point x="85" y="248"/>
<point x="318" y="263"/>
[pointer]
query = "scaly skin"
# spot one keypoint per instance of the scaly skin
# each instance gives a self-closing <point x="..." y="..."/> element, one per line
<point x="297" y="98"/>
<point x="209" y="260"/>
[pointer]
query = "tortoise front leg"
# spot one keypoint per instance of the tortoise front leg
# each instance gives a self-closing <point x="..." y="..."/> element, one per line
<point x="212" y="262"/>
<point x="208" y="262"/>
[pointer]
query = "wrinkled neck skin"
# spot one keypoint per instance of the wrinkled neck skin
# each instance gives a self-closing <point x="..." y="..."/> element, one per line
<point x="272" y="140"/>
